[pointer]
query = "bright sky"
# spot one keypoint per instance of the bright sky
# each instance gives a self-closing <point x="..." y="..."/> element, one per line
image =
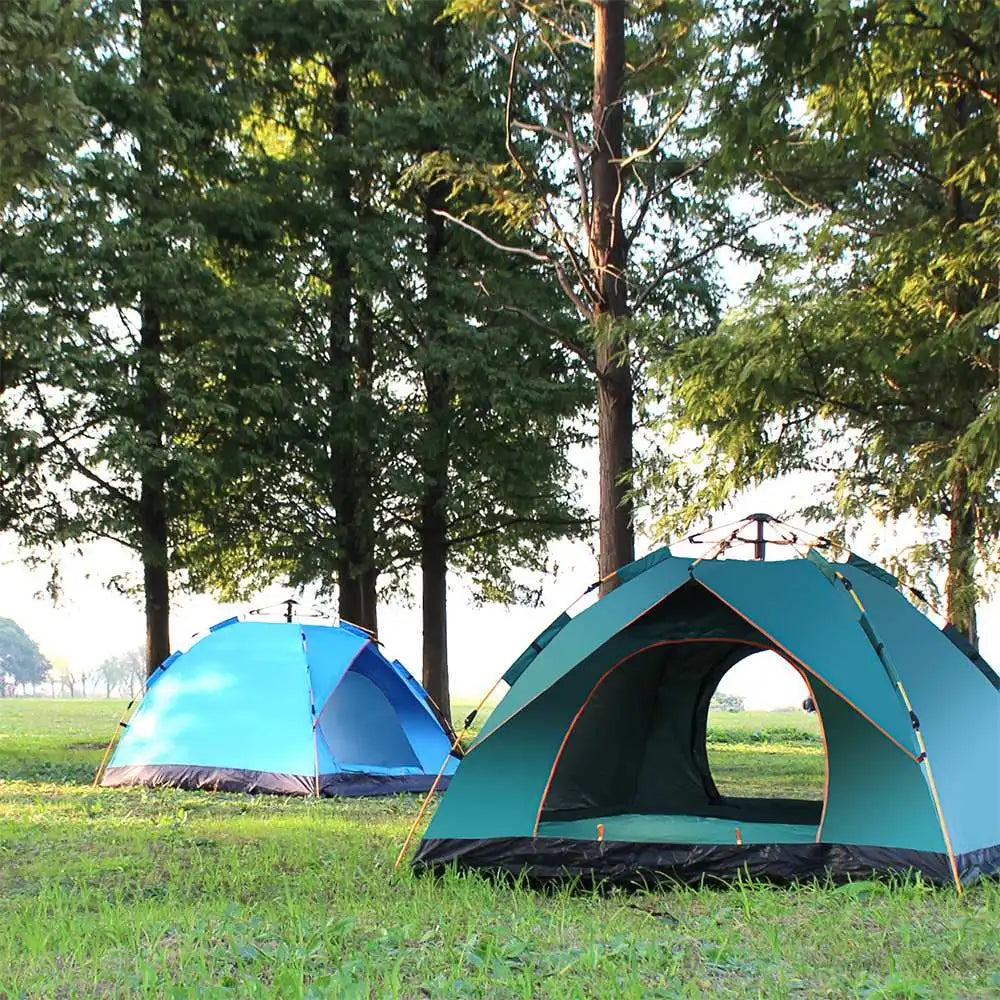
<point x="91" y="622"/>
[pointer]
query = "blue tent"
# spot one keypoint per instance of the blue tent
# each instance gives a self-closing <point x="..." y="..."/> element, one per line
<point x="257" y="706"/>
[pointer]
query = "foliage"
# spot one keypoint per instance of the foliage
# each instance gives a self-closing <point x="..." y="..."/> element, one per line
<point x="124" y="672"/>
<point x="867" y="351"/>
<point x="156" y="226"/>
<point x="19" y="655"/>
<point x="140" y="893"/>
<point x="672" y="225"/>
<point x="724" y="702"/>
<point x="41" y="115"/>
<point x="360" y="427"/>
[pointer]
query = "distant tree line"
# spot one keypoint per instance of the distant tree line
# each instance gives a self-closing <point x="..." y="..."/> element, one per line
<point x="723" y="701"/>
<point x="21" y="661"/>
<point x="25" y="669"/>
<point x="329" y="292"/>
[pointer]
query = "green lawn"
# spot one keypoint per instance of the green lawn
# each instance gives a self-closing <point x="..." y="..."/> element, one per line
<point x="124" y="893"/>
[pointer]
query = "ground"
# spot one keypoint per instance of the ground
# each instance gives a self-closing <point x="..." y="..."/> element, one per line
<point x="135" y="893"/>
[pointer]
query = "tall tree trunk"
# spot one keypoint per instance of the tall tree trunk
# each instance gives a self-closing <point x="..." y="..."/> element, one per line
<point x="434" y="546"/>
<point x="607" y="261"/>
<point x="357" y="575"/>
<point x="152" y="494"/>
<point x="436" y="434"/>
<point x="350" y="361"/>
<point x="153" y="536"/>
<point x="357" y="583"/>
<point x="960" y="587"/>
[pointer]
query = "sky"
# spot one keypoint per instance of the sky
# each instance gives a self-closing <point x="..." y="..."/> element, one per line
<point x="90" y="622"/>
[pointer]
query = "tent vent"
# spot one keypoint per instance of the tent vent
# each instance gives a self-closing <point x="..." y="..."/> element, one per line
<point x="872" y="570"/>
<point x="633" y="569"/>
<point x="522" y="663"/>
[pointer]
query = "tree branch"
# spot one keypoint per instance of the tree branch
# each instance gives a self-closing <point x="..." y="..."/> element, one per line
<point x="577" y="522"/>
<point x="586" y="356"/>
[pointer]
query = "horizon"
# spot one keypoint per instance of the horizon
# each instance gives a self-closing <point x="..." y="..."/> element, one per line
<point x="92" y="622"/>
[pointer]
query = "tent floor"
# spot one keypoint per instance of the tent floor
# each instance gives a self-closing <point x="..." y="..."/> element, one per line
<point x="680" y="829"/>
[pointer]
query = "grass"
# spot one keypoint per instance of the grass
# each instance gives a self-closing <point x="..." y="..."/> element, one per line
<point x="135" y="893"/>
<point x="776" y="754"/>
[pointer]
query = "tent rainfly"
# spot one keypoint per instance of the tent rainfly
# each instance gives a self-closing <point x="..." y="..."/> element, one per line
<point x="281" y="707"/>
<point x="594" y="765"/>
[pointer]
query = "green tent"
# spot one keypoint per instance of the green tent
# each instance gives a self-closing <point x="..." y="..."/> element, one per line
<point x="594" y="765"/>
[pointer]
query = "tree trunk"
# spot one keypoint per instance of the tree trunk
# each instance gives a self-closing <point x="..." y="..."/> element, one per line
<point x="434" y="570"/>
<point x="607" y="262"/>
<point x="436" y="434"/>
<point x="151" y="400"/>
<point x="357" y="595"/>
<point x="960" y="587"/>
<point x="357" y="575"/>
<point x="152" y="493"/>
<point x="350" y="361"/>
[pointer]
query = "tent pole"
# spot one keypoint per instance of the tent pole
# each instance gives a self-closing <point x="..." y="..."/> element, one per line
<point x="926" y="761"/>
<point x="122" y="724"/>
<point x="760" y="544"/>
<point x="922" y="758"/>
<point x="427" y="798"/>
<point x="312" y="707"/>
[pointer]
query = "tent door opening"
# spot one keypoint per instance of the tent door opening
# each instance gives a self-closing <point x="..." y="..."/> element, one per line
<point x="634" y="759"/>
<point x="361" y="727"/>
<point x="797" y="768"/>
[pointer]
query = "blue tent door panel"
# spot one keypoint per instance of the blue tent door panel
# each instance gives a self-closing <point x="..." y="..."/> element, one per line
<point x="361" y="728"/>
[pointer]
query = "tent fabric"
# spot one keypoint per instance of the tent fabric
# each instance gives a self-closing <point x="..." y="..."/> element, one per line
<point x="598" y="749"/>
<point x="283" y="708"/>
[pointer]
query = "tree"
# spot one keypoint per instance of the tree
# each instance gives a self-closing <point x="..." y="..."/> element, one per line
<point x="604" y="159"/>
<point x="122" y="672"/>
<point x="131" y="668"/>
<point x="432" y="421"/>
<point x="20" y="656"/>
<point x="494" y="397"/>
<point x="723" y="702"/>
<point x="868" y="352"/>
<point x="144" y="337"/>
<point x="316" y="495"/>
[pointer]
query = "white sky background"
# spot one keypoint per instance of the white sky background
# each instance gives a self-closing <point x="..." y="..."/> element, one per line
<point x="90" y="622"/>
